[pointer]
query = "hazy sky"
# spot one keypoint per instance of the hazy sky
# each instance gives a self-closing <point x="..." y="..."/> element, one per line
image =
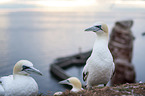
<point x="39" y="3"/>
<point x="48" y="4"/>
<point x="17" y="4"/>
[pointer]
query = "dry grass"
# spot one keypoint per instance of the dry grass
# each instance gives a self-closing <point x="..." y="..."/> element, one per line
<point x="136" y="89"/>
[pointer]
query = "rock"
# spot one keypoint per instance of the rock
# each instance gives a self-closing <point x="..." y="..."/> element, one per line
<point x="121" y="47"/>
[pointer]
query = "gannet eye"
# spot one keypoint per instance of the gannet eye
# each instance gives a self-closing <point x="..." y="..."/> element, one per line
<point x="25" y="67"/>
<point x="67" y="81"/>
<point x="99" y="26"/>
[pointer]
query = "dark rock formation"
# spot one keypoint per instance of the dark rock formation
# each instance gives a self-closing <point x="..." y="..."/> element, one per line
<point x="57" y="68"/>
<point x="121" y="47"/>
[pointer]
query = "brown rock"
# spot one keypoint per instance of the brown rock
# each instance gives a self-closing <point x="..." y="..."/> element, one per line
<point x="121" y="47"/>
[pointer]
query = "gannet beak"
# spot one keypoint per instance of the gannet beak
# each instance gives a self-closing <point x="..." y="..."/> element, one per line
<point x="94" y="28"/>
<point x="64" y="82"/>
<point x="33" y="70"/>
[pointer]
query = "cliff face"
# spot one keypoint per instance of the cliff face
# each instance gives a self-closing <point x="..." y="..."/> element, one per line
<point x="121" y="47"/>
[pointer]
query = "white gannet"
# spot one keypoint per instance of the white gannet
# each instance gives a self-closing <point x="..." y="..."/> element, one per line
<point x="99" y="67"/>
<point x="74" y="82"/>
<point x="20" y="83"/>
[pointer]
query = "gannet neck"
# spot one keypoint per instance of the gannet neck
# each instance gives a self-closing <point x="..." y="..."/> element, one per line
<point x="74" y="89"/>
<point x="101" y="36"/>
<point x="105" y="28"/>
<point x="100" y="45"/>
<point x="101" y="41"/>
<point x="77" y="87"/>
<point x="17" y="69"/>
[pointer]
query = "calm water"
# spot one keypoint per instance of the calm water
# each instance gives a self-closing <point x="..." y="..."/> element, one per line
<point x="41" y="37"/>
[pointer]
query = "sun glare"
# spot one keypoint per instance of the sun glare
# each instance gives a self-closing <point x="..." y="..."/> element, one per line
<point x="4" y="1"/>
<point x="65" y="3"/>
<point x="49" y="5"/>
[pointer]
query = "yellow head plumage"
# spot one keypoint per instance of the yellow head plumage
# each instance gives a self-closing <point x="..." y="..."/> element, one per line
<point x="104" y="28"/>
<point x="74" y="82"/>
<point x="25" y="67"/>
<point x="99" y="28"/>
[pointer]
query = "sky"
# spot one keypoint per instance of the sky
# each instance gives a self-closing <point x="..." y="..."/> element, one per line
<point x="69" y="4"/>
<point x="43" y="3"/>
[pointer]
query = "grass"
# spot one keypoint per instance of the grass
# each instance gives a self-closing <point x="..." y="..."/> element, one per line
<point x="134" y="89"/>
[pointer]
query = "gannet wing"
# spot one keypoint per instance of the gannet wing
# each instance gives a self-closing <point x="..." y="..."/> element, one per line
<point x="2" y="91"/>
<point x="85" y="73"/>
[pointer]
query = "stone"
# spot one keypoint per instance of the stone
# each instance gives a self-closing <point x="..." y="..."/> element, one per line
<point x="121" y="47"/>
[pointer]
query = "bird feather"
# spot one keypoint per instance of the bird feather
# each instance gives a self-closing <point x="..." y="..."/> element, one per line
<point x="85" y="75"/>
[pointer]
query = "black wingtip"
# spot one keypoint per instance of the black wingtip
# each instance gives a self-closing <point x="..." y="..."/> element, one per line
<point x="85" y="75"/>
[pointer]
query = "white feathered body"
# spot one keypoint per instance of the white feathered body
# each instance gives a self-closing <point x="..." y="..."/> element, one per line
<point x="19" y="85"/>
<point x="100" y="64"/>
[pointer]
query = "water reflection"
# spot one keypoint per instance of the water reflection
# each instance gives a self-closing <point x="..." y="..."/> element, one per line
<point x="4" y="38"/>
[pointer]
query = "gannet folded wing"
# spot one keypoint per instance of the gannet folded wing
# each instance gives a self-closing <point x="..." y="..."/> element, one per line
<point x="85" y="73"/>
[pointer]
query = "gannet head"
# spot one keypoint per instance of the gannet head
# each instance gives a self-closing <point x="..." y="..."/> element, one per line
<point x="74" y="82"/>
<point x="99" y="29"/>
<point x="25" y="67"/>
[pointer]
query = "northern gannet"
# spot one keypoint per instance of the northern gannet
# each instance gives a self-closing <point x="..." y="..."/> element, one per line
<point x="99" y="67"/>
<point x="20" y="83"/>
<point x="74" y="82"/>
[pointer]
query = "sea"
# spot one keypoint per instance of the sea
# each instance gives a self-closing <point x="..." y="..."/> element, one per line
<point x="43" y="36"/>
